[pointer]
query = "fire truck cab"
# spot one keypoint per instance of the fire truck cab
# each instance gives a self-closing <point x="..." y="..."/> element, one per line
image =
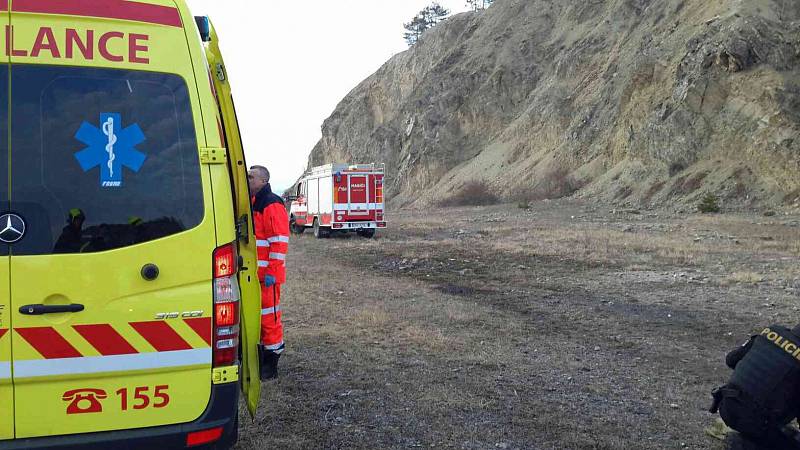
<point x="340" y="198"/>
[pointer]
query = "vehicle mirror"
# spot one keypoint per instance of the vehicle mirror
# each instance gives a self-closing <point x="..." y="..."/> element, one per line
<point x="204" y="27"/>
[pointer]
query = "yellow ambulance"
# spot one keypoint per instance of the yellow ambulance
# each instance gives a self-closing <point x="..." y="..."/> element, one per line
<point x="129" y="301"/>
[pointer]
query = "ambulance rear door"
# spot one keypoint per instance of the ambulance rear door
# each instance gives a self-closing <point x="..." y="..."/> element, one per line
<point x="250" y="286"/>
<point x="111" y="292"/>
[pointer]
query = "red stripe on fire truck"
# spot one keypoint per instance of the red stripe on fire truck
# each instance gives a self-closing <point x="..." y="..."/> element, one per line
<point x="3" y="331"/>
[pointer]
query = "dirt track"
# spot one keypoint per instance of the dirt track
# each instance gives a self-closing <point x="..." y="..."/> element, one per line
<point x="564" y="326"/>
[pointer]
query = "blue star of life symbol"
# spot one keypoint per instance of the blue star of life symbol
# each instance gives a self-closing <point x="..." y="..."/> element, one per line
<point x="111" y="148"/>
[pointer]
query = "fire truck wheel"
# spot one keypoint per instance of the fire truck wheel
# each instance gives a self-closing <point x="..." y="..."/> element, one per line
<point x="368" y="233"/>
<point x="320" y="232"/>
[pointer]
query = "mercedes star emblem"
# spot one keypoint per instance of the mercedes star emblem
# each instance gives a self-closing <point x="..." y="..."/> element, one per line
<point x="12" y="228"/>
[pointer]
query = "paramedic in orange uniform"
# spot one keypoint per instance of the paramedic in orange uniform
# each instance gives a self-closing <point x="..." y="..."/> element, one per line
<point x="272" y="238"/>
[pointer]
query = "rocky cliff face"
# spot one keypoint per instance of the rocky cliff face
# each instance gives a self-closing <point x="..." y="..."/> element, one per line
<point x="631" y="100"/>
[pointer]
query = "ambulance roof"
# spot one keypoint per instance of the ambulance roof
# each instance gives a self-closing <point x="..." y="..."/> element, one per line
<point x="161" y="12"/>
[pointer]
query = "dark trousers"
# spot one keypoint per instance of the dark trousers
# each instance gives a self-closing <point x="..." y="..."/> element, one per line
<point x="753" y="430"/>
<point x="773" y="440"/>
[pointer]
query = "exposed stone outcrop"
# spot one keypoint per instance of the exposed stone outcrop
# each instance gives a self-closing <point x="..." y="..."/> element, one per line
<point x="639" y="100"/>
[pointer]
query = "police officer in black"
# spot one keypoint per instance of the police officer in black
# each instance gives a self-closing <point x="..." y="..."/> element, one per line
<point x="763" y="394"/>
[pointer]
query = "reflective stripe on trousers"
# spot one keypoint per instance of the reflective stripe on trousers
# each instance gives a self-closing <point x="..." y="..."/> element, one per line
<point x="271" y="326"/>
<point x="277" y="348"/>
<point x="268" y="311"/>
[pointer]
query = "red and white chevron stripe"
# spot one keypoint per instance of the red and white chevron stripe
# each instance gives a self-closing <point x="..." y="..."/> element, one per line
<point x="116" y="352"/>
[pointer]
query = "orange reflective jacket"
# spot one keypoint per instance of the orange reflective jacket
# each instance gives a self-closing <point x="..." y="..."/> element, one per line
<point x="272" y="234"/>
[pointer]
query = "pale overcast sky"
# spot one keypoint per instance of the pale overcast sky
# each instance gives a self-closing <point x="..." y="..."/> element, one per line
<point x="291" y="62"/>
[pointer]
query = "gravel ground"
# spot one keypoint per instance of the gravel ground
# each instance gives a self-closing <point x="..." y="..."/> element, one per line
<point x="567" y="325"/>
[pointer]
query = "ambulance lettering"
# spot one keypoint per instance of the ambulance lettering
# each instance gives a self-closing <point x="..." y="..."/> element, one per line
<point x="140" y="397"/>
<point x="72" y="43"/>
<point x="88" y="401"/>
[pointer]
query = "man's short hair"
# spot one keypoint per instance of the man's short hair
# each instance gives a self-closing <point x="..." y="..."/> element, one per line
<point x="262" y="171"/>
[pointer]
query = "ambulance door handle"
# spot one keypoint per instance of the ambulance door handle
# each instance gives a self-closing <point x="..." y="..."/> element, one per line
<point x="38" y="310"/>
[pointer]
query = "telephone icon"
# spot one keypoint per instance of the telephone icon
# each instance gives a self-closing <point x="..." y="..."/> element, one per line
<point x="84" y="401"/>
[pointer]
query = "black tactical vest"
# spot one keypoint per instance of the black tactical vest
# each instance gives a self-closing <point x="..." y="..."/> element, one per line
<point x="769" y="375"/>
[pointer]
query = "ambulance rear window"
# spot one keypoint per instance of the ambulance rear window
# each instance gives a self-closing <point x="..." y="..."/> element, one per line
<point x="101" y="159"/>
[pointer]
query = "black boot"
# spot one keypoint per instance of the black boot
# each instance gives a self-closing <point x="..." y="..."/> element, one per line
<point x="269" y="363"/>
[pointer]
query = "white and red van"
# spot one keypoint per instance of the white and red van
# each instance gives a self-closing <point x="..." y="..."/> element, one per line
<point x="340" y="198"/>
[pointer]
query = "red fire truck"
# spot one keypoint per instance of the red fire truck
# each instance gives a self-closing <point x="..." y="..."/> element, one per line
<point x="340" y="198"/>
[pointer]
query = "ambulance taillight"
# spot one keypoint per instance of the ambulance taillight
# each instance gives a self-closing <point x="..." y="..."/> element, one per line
<point x="226" y="306"/>
<point x="204" y="436"/>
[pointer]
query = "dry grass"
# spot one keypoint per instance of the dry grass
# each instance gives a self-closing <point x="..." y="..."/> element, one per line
<point x="474" y="193"/>
<point x="372" y="317"/>
<point x="602" y="246"/>
<point x="745" y="277"/>
<point x="460" y="314"/>
<point x="557" y="183"/>
<point x="654" y="189"/>
<point x="688" y="184"/>
<point x="497" y="327"/>
<point x="433" y="339"/>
